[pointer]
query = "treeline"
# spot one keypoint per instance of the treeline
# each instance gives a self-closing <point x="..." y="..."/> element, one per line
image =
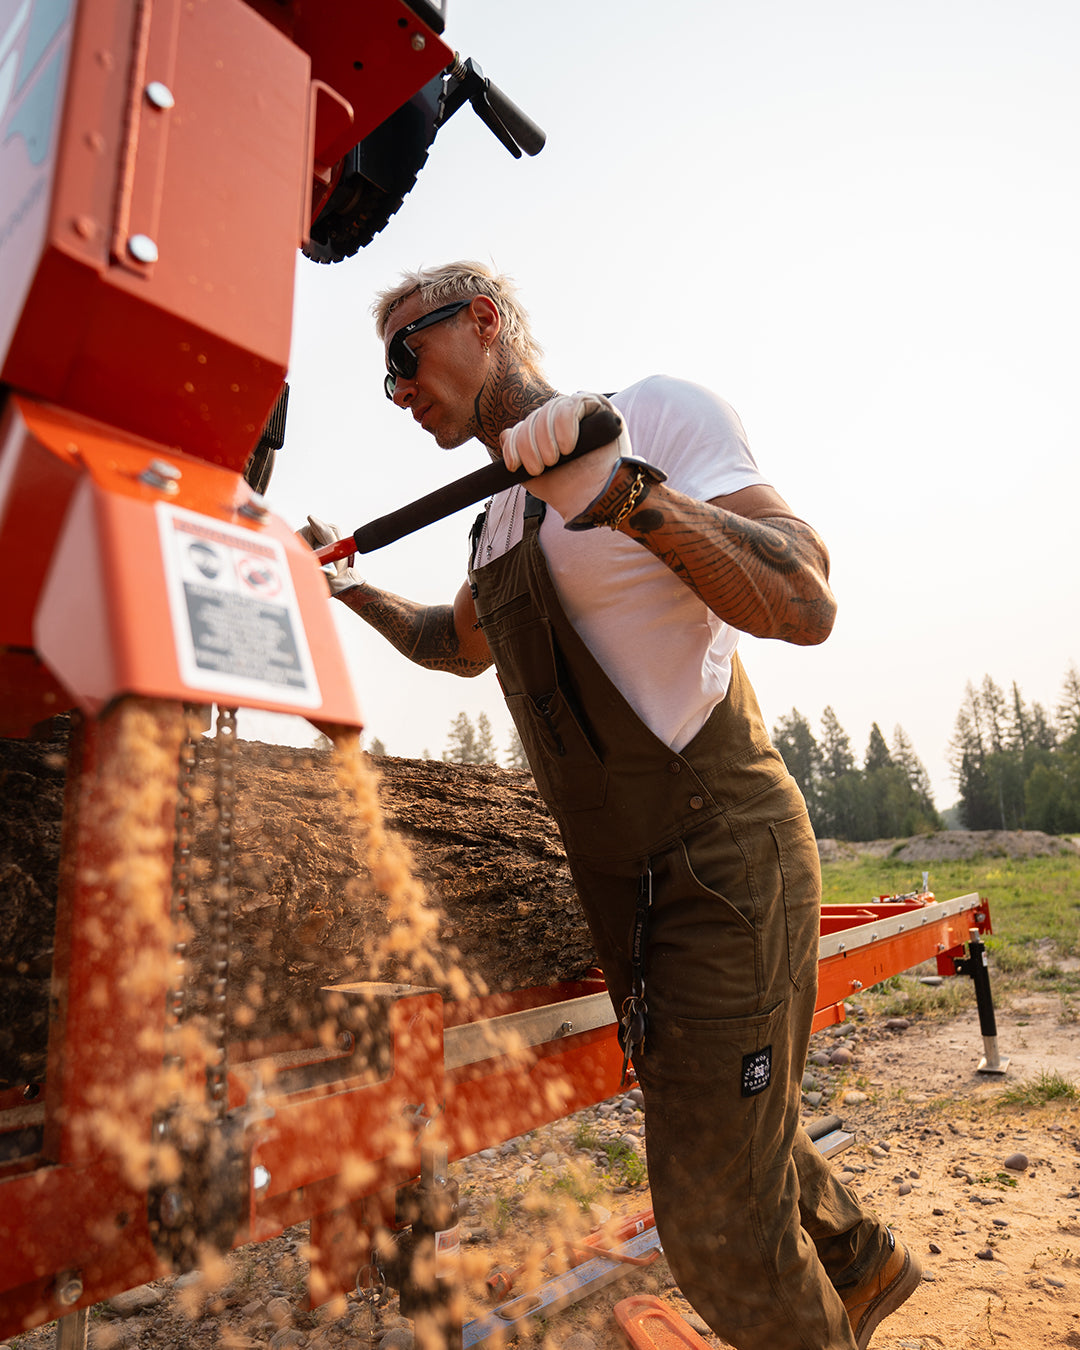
<point x="886" y="797"/>
<point x="474" y="743"/>
<point x="1017" y="766"/>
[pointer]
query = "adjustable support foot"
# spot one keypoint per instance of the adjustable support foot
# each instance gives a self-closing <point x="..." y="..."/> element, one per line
<point x="974" y="964"/>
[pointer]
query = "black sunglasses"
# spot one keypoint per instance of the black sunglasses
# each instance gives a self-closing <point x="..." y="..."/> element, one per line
<point x="400" y="357"/>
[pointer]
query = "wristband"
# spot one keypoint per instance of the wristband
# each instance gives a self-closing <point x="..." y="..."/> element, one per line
<point x="629" y="483"/>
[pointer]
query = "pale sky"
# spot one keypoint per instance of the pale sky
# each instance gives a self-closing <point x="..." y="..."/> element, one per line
<point x="858" y="223"/>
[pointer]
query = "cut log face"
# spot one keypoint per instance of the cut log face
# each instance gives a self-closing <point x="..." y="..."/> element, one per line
<point x="306" y="911"/>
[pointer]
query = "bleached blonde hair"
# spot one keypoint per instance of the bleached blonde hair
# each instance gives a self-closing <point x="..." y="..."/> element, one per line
<point x="460" y="281"/>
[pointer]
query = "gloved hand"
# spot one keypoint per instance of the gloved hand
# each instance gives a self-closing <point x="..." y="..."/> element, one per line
<point x="340" y="576"/>
<point x="539" y="441"/>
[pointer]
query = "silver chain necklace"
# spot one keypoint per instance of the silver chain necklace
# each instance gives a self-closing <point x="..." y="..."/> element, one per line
<point x="487" y="538"/>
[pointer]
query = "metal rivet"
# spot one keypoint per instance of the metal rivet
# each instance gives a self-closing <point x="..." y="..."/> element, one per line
<point x="162" y="475"/>
<point x="142" y="248"/>
<point x="172" y="1208"/>
<point x="160" y="95"/>
<point x="696" y="803"/>
<point x="255" y="507"/>
<point x="69" y="1288"/>
<point x="418" y="42"/>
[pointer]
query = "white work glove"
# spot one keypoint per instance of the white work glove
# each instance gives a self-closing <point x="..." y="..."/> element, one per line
<point x="539" y="441"/>
<point x="340" y="576"/>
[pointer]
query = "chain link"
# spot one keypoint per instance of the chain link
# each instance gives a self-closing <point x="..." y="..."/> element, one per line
<point x="221" y="911"/>
<point x="184" y="835"/>
<point x="202" y="1200"/>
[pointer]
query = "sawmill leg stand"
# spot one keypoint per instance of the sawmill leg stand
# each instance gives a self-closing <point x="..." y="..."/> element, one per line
<point x="974" y="964"/>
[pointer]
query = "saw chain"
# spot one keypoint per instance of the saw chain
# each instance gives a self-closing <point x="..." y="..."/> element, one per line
<point x="200" y="1191"/>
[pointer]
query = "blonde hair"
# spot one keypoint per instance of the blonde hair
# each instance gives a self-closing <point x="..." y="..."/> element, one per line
<point x="461" y="281"/>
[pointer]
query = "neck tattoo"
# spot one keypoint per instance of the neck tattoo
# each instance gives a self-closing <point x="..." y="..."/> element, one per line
<point x="510" y="392"/>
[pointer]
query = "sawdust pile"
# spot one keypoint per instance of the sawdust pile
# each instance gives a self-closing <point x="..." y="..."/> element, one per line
<point x="307" y="910"/>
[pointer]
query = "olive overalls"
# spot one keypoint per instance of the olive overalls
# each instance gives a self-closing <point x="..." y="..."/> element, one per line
<point x="747" y="1210"/>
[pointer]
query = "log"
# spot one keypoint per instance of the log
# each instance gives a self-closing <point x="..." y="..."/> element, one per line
<point x="307" y="910"/>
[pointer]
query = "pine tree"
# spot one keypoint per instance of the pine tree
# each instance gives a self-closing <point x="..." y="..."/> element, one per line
<point x="1067" y="713"/>
<point x="1043" y="735"/>
<point x="515" y="751"/>
<point x="977" y="811"/>
<point x="915" y="800"/>
<point x="839" y="790"/>
<point x="484" y="747"/>
<point x="836" y="756"/>
<point x="904" y="757"/>
<point x="967" y="739"/>
<point x="877" y="752"/>
<point x="461" y="743"/>
<point x="794" y="739"/>
<point x="1020" y="725"/>
<point x="994" y="708"/>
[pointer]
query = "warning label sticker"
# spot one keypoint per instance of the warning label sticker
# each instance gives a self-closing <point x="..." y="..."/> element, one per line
<point x="447" y="1252"/>
<point x="235" y="615"/>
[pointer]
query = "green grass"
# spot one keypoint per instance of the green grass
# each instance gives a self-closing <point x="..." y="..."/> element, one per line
<point x="1047" y="1087"/>
<point x="1030" y="899"/>
<point x="626" y="1167"/>
<point x="904" y="996"/>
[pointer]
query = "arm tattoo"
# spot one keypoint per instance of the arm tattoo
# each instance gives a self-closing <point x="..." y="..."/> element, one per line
<point x="424" y="633"/>
<point x="768" y="577"/>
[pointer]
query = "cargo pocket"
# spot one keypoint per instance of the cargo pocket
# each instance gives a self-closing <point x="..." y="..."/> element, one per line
<point x="725" y="1062"/>
<point x="801" y="874"/>
<point x="569" y="773"/>
<point x="568" y="770"/>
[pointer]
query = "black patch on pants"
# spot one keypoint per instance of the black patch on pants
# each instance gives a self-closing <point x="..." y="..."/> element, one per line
<point x="756" y="1071"/>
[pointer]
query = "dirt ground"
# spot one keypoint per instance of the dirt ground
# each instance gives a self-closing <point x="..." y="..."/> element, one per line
<point x="1000" y="1248"/>
<point x="986" y="1193"/>
<point x="999" y="1244"/>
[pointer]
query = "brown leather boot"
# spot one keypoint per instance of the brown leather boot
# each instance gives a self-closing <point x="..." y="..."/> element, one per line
<point x="881" y="1292"/>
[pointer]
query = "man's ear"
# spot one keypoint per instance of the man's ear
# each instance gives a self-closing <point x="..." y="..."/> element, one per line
<point x="484" y="314"/>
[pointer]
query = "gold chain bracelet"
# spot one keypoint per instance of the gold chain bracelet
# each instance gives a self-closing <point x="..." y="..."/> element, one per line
<point x="636" y="490"/>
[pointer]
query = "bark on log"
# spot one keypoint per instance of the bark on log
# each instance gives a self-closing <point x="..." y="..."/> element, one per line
<point x="306" y="911"/>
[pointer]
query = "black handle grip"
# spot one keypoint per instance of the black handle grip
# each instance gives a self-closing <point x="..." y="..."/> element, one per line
<point x="521" y="127"/>
<point x="599" y="428"/>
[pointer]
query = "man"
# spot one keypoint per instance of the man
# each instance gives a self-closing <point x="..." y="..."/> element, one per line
<point x="610" y="596"/>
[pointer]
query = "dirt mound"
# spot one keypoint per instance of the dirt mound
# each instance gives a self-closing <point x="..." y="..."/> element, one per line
<point x="306" y="911"/>
<point x="948" y="845"/>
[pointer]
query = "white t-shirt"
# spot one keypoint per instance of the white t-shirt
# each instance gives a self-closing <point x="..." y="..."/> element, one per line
<point x="665" y="651"/>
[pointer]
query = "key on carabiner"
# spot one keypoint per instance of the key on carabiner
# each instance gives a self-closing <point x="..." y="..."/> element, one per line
<point x="632" y="1031"/>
